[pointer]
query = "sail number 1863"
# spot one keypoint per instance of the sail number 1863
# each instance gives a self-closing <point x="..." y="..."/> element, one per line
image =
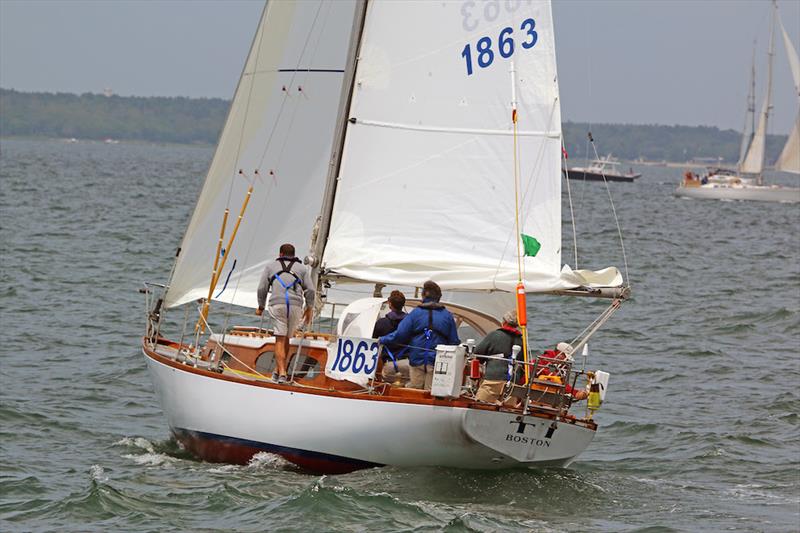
<point x="358" y="358"/>
<point x="485" y="52"/>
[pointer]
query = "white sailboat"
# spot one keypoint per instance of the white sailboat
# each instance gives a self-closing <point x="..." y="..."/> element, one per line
<point x="394" y="151"/>
<point x="747" y="182"/>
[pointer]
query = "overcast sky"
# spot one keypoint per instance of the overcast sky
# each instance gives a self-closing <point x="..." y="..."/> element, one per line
<point x="630" y="61"/>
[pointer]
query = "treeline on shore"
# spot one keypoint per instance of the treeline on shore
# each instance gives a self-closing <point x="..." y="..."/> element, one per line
<point x="653" y="142"/>
<point x="199" y="120"/>
<point x="95" y="116"/>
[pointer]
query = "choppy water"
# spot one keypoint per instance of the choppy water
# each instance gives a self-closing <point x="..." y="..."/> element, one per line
<point x="699" y="431"/>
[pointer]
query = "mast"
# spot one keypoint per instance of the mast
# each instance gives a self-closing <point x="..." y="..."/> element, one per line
<point x="750" y="116"/>
<point x="315" y="259"/>
<point x="751" y="104"/>
<point x="768" y="98"/>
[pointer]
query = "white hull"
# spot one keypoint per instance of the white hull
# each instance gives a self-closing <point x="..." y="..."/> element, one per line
<point x="225" y="420"/>
<point x="764" y="193"/>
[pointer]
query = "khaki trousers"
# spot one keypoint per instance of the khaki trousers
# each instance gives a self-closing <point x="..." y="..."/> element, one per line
<point x="399" y="376"/>
<point x="490" y="391"/>
<point x="421" y="377"/>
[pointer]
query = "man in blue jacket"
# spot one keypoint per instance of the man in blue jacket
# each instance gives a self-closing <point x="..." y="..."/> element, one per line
<point x="422" y="329"/>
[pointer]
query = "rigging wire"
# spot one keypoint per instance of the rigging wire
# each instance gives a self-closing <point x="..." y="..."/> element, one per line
<point x="259" y="35"/>
<point x="588" y="35"/>
<point x="261" y="30"/>
<point x="569" y="196"/>
<point x="272" y="184"/>
<point x="614" y="211"/>
<point x="530" y="186"/>
<point x="291" y="83"/>
<point x="257" y="40"/>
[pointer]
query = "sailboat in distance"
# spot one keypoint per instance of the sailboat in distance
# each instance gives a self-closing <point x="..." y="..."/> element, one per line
<point x="747" y="182"/>
<point x="396" y="154"/>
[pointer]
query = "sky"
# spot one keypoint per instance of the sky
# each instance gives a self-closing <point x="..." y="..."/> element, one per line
<point x="621" y="61"/>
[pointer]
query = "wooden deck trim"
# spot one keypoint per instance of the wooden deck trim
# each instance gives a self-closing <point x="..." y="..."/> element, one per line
<point x="425" y="399"/>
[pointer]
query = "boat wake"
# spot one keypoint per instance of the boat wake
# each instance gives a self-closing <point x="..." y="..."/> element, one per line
<point x="269" y="461"/>
<point x="146" y="453"/>
<point x="98" y="474"/>
<point x="262" y="461"/>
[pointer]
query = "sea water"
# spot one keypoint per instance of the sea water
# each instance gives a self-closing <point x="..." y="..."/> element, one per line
<point x="699" y="430"/>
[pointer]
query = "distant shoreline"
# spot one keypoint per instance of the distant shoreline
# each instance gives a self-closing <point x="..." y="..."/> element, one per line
<point x="66" y="140"/>
<point x="4" y="138"/>
<point x="198" y="122"/>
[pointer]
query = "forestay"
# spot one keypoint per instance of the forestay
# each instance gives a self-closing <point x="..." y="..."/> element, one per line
<point x="281" y="123"/>
<point x="426" y="184"/>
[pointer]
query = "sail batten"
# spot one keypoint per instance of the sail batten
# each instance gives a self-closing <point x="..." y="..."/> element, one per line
<point x="444" y="129"/>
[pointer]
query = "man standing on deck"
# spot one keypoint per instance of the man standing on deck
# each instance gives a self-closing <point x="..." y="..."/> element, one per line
<point x="422" y="329"/>
<point x="288" y="281"/>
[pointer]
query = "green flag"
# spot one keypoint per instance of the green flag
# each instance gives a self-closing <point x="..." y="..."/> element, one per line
<point x="530" y="244"/>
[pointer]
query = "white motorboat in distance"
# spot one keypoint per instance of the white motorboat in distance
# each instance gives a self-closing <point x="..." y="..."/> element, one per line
<point x="603" y="169"/>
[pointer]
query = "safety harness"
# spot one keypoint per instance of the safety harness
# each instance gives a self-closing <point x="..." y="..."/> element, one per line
<point x="394" y="358"/>
<point x="286" y="266"/>
<point x="430" y="330"/>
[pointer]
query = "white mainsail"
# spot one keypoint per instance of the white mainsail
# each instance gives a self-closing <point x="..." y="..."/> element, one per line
<point x="426" y="186"/>
<point x="754" y="161"/>
<point x="789" y="160"/>
<point x="748" y="131"/>
<point x="281" y="123"/>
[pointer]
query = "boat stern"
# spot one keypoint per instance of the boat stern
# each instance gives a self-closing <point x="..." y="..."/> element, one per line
<point x="530" y="439"/>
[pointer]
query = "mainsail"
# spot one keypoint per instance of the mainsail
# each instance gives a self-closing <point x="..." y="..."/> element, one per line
<point x="754" y="160"/>
<point x="425" y="188"/>
<point x="750" y="117"/>
<point x="789" y="160"/>
<point x="281" y="124"/>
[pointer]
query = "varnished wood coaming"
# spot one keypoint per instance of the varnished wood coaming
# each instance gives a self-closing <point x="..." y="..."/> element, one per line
<point x="322" y="385"/>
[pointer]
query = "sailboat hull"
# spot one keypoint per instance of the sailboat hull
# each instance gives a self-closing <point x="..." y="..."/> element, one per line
<point x="224" y="420"/>
<point x="750" y="192"/>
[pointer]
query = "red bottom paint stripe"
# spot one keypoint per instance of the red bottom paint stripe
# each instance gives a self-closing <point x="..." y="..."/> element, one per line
<point x="224" y="449"/>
